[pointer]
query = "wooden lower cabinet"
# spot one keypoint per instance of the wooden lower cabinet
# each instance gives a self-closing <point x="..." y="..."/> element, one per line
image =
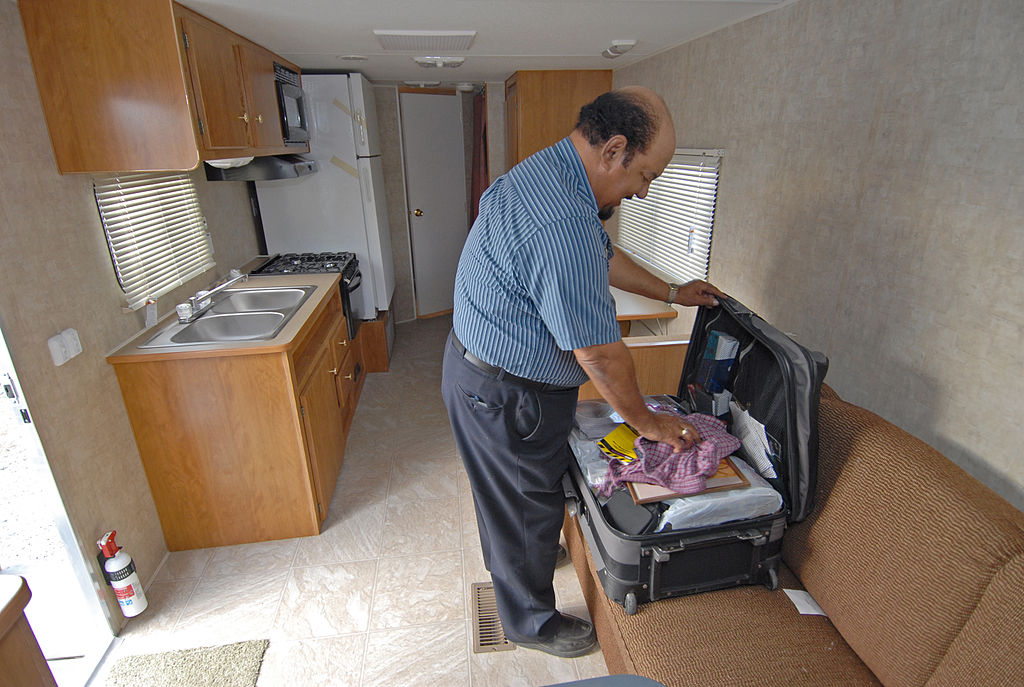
<point x="320" y="408"/>
<point x="242" y="448"/>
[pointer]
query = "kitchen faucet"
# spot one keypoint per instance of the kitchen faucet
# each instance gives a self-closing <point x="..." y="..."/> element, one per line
<point x="202" y="300"/>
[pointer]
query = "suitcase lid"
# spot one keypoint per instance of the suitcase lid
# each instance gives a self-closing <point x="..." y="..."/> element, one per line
<point x="776" y="381"/>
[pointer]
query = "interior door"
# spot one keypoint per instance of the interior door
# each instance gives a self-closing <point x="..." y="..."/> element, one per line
<point x="435" y="178"/>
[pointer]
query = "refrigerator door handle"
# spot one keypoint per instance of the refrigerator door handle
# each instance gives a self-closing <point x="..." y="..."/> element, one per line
<point x="361" y="124"/>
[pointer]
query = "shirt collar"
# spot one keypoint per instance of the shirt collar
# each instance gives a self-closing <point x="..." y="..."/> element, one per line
<point x="566" y="152"/>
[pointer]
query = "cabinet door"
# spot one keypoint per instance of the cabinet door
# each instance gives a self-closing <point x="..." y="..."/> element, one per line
<point x="511" y="123"/>
<point x="323" y="424"/>
<point x="258" y="71"/>
<point x="217" y="83"/>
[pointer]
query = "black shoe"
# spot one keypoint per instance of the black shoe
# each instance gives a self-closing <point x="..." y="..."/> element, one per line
<point x="574" y="637"/>
<point x="562" y="558"/>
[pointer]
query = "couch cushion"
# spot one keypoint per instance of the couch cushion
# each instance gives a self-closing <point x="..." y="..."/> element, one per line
<point x="902" y="546"/>
<point x="988" y="650"/>
<point x="740" y="636"/>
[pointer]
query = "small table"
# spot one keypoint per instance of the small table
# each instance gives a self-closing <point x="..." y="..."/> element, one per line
<point x="630" y="306"/>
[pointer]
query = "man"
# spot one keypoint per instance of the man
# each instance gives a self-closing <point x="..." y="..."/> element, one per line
<point x="533" y="319"/>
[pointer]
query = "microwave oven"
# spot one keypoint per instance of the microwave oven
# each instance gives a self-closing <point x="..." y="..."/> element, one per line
<point x="291" y="103"/>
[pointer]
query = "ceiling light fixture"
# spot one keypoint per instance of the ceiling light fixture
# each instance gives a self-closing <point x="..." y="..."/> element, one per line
<point x="422" y="84"/>
<point x="618" y="47"/>
<point x="353" y="58"/>
<point x="430" y="61"/>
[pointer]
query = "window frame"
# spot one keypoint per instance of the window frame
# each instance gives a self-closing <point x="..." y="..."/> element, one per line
<point x="679" y="209"/>
<point x="155" y="231"/>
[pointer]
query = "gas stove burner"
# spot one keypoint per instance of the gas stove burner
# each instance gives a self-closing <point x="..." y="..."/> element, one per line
<point x="290" y="263"/>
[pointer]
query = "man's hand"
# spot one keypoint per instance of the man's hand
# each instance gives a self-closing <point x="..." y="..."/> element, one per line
<point x="698" y="292"/>
<point x="671" y="429"/>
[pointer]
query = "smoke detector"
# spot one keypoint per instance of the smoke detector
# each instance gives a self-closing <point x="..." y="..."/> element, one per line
<point x="618" y="47"/>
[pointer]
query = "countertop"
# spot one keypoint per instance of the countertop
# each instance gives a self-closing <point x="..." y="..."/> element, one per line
<point x="326" y="285"/>
<point x="630" y="306"/>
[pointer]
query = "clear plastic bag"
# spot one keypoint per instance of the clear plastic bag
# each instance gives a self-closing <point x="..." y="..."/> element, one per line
<point x="718" y="507"/>
<point x="592" y="462"/>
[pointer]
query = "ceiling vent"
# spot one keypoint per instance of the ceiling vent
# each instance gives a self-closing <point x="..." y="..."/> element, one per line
<point x="425" y="41"/>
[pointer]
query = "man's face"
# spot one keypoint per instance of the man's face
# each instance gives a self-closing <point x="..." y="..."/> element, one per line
<point x="633" y="178"/>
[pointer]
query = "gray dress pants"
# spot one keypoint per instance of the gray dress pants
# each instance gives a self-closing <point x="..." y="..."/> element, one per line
<point x="513" y="440"/>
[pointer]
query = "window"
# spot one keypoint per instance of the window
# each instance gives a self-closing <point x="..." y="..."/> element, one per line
<point x="155" y="230"/>
<point x="671" y="228"/>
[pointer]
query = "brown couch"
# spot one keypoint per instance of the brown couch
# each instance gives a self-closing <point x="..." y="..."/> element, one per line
<point x="919" y="567"/>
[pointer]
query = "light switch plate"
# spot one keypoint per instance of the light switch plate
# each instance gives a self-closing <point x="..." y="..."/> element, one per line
<point x="64" y="346"/>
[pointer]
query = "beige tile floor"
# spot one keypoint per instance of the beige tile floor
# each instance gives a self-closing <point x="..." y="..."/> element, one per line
<point x="381" y="597"/>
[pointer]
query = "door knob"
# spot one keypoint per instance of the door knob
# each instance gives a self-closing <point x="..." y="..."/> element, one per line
<point x="418" y="212"/>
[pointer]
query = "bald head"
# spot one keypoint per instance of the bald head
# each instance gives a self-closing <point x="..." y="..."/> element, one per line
<point x="634" y="112"/>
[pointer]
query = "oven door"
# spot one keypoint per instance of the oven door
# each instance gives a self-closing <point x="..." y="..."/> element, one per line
<point x="349" y="286"/>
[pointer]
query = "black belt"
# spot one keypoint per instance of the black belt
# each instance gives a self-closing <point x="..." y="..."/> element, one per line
<point x="502" y="373"/>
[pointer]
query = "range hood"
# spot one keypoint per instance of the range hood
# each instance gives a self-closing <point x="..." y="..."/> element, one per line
<point x="265" y="168"/>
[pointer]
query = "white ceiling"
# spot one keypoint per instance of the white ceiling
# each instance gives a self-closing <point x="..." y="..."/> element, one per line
<point x="511" y="34"/>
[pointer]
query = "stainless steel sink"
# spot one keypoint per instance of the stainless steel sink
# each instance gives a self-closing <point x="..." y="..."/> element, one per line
<point x="236" y="315"/>
<point x="249" y="300"/>
<point x="243" y="326"/>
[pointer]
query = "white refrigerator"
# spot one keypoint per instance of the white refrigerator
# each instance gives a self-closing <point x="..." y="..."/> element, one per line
<point x="341" y="207"/>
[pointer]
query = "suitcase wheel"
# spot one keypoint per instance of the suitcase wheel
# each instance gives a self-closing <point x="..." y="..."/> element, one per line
<point x="773" y="580"/>
<point x="629" y="603"/>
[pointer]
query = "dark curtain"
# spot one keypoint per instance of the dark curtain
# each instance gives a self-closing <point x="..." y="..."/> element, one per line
<point x="480" y="176"/>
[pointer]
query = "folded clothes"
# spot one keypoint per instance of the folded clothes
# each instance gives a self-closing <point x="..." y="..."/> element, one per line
<point x="685" y="471"/>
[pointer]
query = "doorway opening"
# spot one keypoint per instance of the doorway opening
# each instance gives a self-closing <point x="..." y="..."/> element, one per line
<point x="36" y="542"/>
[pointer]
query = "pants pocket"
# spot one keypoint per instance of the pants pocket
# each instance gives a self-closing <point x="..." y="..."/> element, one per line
<point x="529" y="417"/>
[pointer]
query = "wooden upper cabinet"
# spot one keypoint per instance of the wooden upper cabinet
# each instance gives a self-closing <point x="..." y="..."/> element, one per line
<point x="261" y="95"/>
<point x="216" y="82"/>
<point x="120" y="92"/>
<point x="111" y="84"/>
<point x="542" y="107"/>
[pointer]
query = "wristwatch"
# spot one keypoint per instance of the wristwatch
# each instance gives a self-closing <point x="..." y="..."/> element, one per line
<point x="673" y="289"/>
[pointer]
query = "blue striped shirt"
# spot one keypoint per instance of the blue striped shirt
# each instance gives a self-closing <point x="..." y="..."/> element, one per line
<point x="532" y="281"/>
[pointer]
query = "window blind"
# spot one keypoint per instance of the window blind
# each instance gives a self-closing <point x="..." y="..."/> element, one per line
<point x="155" y="230"/>
<point x="671" y="228"/>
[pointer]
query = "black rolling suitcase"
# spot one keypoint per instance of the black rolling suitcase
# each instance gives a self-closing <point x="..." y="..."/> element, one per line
<point x="772" y="380"/>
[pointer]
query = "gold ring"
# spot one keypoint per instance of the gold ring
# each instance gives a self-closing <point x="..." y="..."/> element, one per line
<point x="684" y="432"/>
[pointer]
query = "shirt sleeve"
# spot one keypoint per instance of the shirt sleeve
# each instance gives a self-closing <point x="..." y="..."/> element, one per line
<point x="565" y="274"/>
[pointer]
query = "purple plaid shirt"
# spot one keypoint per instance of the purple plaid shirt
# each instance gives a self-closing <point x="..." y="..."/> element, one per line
<point x="686" y="471"/>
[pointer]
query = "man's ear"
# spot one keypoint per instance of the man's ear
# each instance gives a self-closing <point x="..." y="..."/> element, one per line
<point x="613" y="150"/>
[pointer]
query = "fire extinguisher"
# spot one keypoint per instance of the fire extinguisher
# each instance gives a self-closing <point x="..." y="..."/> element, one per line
<point x="119" y="570"/>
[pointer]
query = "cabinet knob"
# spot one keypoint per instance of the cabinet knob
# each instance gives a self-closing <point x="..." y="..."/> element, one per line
<point x="343" y="342"/>
<point x="244" y="117"/>
<point x="334" y="371"/>
<point x="349" y="377"/>
<point x="259" y="119"/>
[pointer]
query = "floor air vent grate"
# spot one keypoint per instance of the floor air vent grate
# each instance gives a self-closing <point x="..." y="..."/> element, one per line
<point x="488" y="635"/>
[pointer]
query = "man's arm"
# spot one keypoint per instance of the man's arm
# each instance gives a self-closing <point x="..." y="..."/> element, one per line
<point x="610" y="367"/>
<point x="625" y="274"/>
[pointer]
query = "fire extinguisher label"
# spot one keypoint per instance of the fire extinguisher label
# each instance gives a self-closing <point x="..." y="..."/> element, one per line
<point x="123" y="573"/>
<point x="124" y="594"/>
